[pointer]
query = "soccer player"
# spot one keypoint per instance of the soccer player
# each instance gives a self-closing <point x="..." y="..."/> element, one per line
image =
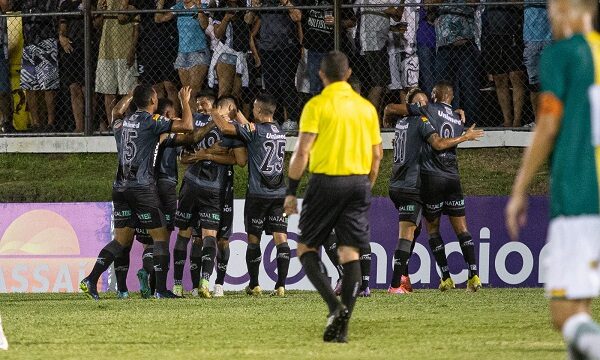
<point x="266" y="188"/>
<point x="411" y="134"/>
<point x="200" y="194"/>
<point x="135" y="192"/>
<point x="568" y="132"/>
<point x="339" y="130"/>
<point x="441" y="190"/>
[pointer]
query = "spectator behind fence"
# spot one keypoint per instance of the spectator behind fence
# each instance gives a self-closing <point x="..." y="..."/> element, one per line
<point x="116" y="73"/>
<point x="280" y="34"/>
<point x="193" y="57"/>
<point x="229" y="60"/>
<point x="318" y="31"/>
<point x="537" y="35"/>
<point x="5" y="88"/>
<point x="502" y="46"/>
<point x="39" y="66"/>
<point x="72" y="69"/>
<point x="426" y="48"/>
<point x="372" y="36"/>
<point x="402" y="50"/>
<point x="156" y="67"/>
<point x="457" y="58"/>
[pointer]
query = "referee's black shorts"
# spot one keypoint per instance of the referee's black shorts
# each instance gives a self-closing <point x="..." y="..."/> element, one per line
<point x="339" y="203"/>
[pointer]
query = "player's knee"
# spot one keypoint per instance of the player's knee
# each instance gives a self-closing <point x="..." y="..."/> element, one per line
<point x="223" y="244"/>
<point x="253" y="239"/>
<point x="185" y="232"/>
<point x="279" y="238"/>
<point x="209" y="242"/>
<point x="347" y="254"/>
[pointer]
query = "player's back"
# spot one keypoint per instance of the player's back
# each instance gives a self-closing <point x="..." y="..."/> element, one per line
<point x="139" y="140"/>
<point x="447" y="124"/>
<point x="266" y="152"/>
<point x="568" y="72"/>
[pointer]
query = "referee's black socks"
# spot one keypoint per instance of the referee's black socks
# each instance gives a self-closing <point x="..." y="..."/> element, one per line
<point x="161" y="264"/>
<point x="439" y="253"/>
<point x="105" y="258"/>
<point x="468" y="250"/>
<point x="316" y="273"/>
<point x="401" y="257"/>
<point x="350" y="283"/>
<point x="253" y="258"/>
<point x="330" y="247"/>
<point x="179" y="257"/>
<point x="365" y="267"/>
<point x="283" y="263"/>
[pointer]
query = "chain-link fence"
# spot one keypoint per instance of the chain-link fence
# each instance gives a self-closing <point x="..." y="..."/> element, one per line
<point x="67" y="62"/>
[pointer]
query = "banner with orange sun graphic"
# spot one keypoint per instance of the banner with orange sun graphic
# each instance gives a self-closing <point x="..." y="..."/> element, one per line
<point x="50" y="247"/>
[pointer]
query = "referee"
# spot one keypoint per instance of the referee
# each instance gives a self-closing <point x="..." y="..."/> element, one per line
<point x="339" y="131"/>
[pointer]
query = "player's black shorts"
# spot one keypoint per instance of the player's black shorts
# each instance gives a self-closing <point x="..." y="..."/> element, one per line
<point x="198" y="203"/>
<point x="167" y="192"/>
<point x="441" y="195"/>
<point x="336" y="202"/>
<point x="226" y="225"/>
<point x="410" y="207"/>
<point x="138" y="207"/>
<point x="264" y="214"/>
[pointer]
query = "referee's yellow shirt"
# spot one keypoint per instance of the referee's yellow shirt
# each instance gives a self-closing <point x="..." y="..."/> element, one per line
<point x="347" y="127"/>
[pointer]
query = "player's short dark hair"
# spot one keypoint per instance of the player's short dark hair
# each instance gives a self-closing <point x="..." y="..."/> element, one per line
<point x="223" y="100"/>
<point x="267" y="102"/>
<point x="163" y="104"/>
<point x="412" y="93"/>
<point x="142" y="95"/>
<point x="207" y="93"/>
<point x="335" y="65"/>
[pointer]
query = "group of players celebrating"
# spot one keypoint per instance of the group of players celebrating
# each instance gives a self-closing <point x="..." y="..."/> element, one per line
<point x="217" y="136"/>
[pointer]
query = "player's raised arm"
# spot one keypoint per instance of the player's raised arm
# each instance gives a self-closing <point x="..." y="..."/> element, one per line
<point x="439" y="143"/>
<point x="121" y="107"/>
<point x="186" y="124"/>
<point x="225" y="126"/>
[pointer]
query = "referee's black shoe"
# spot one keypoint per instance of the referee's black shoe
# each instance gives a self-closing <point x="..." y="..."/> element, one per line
<point x="336" y="324"/>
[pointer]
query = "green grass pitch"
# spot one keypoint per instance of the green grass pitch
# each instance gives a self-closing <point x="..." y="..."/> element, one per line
<point x="491" y="324"/>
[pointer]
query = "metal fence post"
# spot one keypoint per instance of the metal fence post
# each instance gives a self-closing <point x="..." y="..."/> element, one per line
<point x="337" y="30"/>
<point x="87" y="40"/>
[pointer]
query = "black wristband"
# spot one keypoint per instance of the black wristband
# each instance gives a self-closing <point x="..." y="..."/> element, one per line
<point x="292" y="187"/>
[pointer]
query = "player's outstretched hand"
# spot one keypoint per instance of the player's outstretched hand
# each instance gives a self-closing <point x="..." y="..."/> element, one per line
<point x="185" y="93"/>
<point x="290" y="206"/>
<point x="516" y="215"/>
<point x="474" y="134"/>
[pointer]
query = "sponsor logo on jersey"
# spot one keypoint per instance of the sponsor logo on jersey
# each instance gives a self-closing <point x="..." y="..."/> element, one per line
<point x="449" y="117"/>
<point x="275" y="137"/>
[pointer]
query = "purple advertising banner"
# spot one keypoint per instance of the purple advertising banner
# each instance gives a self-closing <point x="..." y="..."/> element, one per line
<point x="50" y="247"/>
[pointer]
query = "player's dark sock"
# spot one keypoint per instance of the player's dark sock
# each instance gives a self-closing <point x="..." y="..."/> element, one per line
<point x="105" y="258"/>
<point x="439" y="253"/>
<point x="330" y="247"/>
<point x="161" y="264"/>
<point x="401" y="257"/>
<point x="148" y="265"/>
<point x="365" y="267"/>
<point x="283" y="263"/>
<point x="253" y="257"/>
<point x="412" y="249"/>
<point x="351" y="283"/>
<point x="122" y="268"/>
<point x="209" y="252"/>
<point x="195" y="264"/>
<point x="317" y="274"/>
<point x="468" y="250"/>
<point x="179" y="257"/>
<point x="222" y="261"/>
